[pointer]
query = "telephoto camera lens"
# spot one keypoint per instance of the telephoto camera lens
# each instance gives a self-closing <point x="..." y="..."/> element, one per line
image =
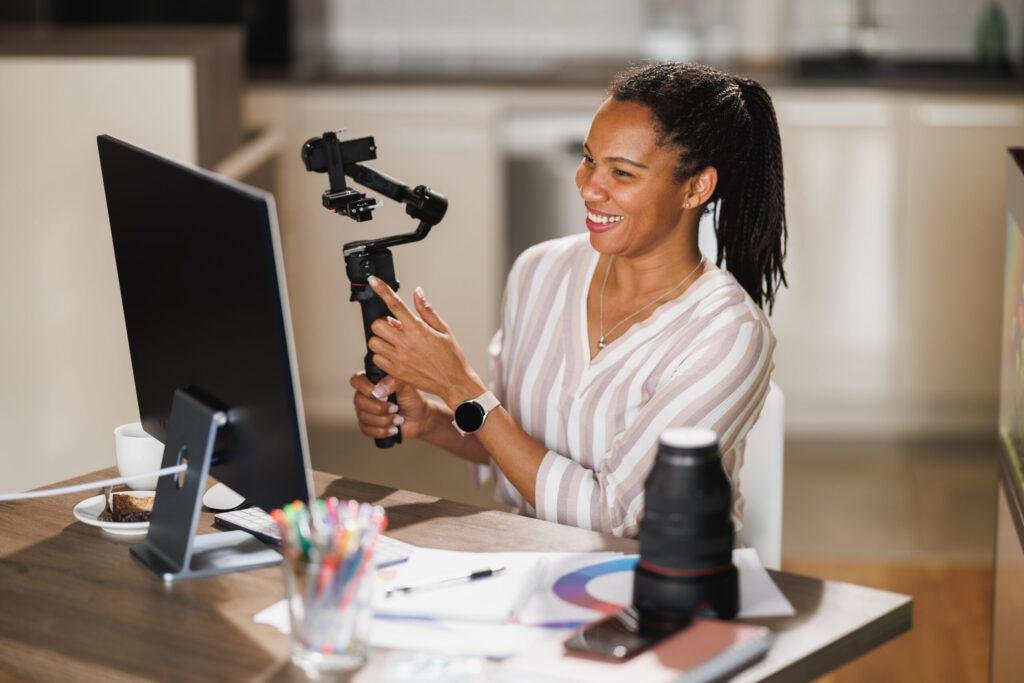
<point x="686" y="535"/>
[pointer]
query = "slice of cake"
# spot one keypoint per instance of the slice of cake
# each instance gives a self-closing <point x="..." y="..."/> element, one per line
<point x="128" y="506"/>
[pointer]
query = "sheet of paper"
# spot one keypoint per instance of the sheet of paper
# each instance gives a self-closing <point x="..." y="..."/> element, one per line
<point x="495" y="641"/>
<point x="571" y="589"/>
<point x="495" y="599"/>
<point x="759" y="596"/>
<point x="579" y="589"/>
<point x="479" y="639"/>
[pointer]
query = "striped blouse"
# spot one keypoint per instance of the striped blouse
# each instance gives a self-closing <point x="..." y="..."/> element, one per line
<point x="702" y="359"/>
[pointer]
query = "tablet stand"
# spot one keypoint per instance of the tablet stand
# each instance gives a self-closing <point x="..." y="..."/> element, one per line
<point x="172" y="549"/>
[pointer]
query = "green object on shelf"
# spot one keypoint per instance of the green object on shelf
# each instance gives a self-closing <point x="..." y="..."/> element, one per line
<point x="990" y="34"/>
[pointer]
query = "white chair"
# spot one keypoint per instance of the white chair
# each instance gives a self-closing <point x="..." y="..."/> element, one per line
<point x="761" y="481"/>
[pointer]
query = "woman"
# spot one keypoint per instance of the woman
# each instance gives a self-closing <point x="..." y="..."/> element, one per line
<point x="610" y="337"/>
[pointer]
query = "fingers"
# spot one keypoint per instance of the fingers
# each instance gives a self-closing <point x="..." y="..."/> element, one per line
<point x="374" y="407"/>
<point x="379" y="424"/>
<point x="381" y="347"/>
<point x="387" y="386"/>
<point x="375" y="392"/>
<point x="377" y="419"/>
<point x="378" y="432"/>
<point x="391" y="300"/>
<point x="387" y="328"/>
<point x="362" y="384"/>
<point x="427" y="312"/>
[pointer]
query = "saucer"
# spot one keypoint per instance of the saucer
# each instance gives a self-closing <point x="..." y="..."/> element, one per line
<point x="88" y="512"/>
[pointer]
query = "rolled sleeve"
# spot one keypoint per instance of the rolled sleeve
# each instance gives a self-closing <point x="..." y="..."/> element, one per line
<point x="552" y="478"/>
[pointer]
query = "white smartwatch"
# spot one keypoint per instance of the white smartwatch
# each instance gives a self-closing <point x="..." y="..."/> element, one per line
<point x="470" y="415"/>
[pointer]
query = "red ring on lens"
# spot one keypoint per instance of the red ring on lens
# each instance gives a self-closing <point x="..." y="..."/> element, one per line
<point x="681" y="573"/>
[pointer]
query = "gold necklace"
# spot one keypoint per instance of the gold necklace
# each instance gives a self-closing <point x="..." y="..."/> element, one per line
<point x="602" y="334"/>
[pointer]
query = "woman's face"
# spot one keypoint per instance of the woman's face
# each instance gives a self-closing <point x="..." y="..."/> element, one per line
<point x="627" y="181"/>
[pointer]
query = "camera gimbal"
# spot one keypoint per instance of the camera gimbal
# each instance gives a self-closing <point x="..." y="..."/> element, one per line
<point x="328" y="154"/>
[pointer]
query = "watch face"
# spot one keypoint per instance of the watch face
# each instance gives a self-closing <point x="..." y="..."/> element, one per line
<point x="469" y="416"/>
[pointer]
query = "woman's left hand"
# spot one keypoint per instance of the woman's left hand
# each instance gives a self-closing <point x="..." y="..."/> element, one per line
<point x="421" y="349"/>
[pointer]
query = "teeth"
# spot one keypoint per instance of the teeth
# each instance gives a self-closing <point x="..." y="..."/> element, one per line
<point x="603" y="219"/>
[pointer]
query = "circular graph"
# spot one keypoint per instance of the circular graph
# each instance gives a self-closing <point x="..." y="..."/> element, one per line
<point x="573" y="587"/>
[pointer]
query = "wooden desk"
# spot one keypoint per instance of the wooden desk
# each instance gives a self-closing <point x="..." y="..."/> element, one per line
<point x="75" y="606"/>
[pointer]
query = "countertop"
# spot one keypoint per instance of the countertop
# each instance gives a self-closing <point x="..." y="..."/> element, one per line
<point x="937" y="76"/>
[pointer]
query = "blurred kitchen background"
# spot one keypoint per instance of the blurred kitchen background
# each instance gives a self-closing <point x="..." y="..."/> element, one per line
<point x="894" y="116"/>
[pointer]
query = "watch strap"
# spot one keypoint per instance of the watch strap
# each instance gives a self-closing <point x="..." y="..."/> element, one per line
<point x="488" y="401"/>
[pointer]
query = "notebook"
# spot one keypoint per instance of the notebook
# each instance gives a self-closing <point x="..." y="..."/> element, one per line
<point x="496" y="599"/>
<point x="708" y="650"/>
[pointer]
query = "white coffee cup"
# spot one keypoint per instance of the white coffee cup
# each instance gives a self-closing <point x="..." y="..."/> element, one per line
<point x="137" y="453"/>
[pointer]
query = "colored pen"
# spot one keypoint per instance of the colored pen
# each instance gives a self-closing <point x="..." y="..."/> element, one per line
<point x="450" y="581"/>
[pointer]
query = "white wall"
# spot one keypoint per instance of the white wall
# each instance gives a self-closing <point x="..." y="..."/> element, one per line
<point x="65" y="372"/>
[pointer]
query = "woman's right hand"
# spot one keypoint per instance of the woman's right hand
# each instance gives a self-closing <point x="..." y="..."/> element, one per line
<point x="375" y="416"/>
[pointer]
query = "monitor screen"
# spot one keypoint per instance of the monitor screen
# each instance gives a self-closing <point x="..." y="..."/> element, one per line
<point x="202" y="284"/>
<point x="1011" y="400"/>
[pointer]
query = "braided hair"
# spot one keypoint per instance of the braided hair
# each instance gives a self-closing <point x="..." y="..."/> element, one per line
<point x="727" y="122"/>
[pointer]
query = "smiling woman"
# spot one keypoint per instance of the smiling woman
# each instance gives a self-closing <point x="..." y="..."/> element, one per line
<point x="611" y="336"/>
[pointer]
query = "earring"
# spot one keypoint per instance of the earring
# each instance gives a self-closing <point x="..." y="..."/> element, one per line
<point x="686" y="205"/>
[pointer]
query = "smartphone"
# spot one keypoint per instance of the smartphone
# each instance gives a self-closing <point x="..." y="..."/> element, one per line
<point x="616" y="637"/>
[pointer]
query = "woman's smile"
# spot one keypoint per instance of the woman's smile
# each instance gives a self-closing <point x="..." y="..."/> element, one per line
<point x="599" y="221"/>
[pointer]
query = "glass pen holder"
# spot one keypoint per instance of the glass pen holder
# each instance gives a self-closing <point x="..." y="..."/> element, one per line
<point x="330" y="612"/>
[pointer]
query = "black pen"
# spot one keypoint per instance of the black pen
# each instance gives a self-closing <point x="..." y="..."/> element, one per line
<point x="451" y="580"/>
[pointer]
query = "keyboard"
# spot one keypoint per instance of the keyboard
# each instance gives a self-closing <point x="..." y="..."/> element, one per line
<point x="255" y="521"/>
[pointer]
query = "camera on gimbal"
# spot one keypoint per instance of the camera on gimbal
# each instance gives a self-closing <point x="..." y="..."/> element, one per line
<point x="328" y="154"/>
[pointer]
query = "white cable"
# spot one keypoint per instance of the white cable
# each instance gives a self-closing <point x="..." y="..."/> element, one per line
<point x="90" y="486"/>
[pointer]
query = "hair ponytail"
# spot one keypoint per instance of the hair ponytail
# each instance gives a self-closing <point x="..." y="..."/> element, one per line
<point x="728" y="123"/>
<point x="751" y="226"/>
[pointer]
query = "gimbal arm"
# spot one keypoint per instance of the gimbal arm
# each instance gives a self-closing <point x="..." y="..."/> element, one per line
<point x="421" y="203"/>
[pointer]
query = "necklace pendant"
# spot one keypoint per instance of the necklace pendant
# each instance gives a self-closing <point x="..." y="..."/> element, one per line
<point x="600" y="343"/>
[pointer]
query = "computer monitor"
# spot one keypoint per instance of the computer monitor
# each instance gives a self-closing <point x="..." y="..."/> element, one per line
<point x="206" y="311"/>
<point x="1011" y="400"/>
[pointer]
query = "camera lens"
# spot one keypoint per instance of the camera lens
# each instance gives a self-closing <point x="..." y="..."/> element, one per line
<point x="686" y="535"/>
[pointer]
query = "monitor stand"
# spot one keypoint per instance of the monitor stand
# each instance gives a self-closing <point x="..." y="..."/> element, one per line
<point x="172" y="549"/>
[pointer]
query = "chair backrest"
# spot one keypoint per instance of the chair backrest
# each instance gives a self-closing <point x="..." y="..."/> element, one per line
<point x="761" y="481"/>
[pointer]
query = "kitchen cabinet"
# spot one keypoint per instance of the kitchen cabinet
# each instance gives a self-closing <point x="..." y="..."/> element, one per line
<point x="836" y="322"/>
<point x="951" y="240"/>
<point x="65" y="371"/>
<point x="891" y="324"/>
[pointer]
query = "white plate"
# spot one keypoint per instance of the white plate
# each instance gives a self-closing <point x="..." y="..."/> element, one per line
<point x="88" y="512"/>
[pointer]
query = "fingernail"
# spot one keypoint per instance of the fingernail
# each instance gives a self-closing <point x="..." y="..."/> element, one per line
<point x="397" y="324"/>
<point x="398" y="420"/>
<point x="392" y="408"/>
<point x="373" y="280"/>
<point x="419" y="292"/>
<point x="380" y="393"/>
<point x="392" y="431"/>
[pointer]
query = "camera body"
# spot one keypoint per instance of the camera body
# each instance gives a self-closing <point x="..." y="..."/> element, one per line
<point x="327" y="154"/>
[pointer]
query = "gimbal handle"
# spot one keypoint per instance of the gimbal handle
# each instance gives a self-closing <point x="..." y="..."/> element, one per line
<point x="360" y="265"/>
<point x="372" y="257"/>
